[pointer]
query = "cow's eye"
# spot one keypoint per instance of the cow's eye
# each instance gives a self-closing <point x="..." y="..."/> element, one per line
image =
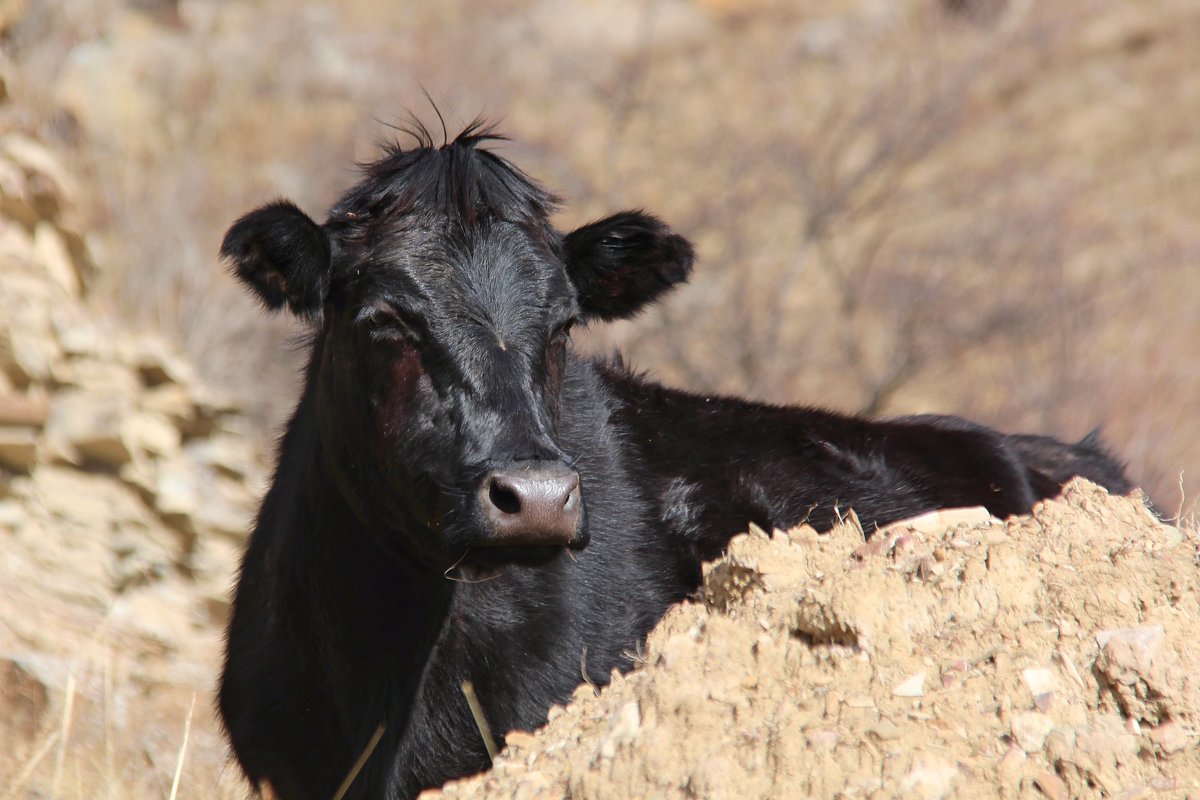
<point x="556" y="350"/>
<point x="563" y="330"/>
<point x="383" y="324"/>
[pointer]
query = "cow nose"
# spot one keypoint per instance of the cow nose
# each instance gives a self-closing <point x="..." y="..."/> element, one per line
<point x="532" y="504"/>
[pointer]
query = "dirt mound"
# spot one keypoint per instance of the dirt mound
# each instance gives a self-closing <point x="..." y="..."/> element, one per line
<point x="1054" y="653"/>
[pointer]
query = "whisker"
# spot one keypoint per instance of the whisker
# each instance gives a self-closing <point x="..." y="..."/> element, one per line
<point x="450" y="577"/>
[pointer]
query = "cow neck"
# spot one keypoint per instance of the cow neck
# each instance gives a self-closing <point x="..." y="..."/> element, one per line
<point x="399" y="609"/>
<point x="394" y="596"/>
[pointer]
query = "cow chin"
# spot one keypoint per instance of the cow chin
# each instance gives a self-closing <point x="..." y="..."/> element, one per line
<point x="488" y="558"/>
<point x="474" y="541"/>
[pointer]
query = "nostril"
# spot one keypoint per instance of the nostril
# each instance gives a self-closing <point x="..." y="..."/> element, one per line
<point x="531" y="504"/>
<point x="572" y="501"/>
<point x="503" y="497"/>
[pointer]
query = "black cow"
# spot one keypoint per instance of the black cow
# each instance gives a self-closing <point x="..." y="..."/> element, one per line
<point x="459" y="496"/>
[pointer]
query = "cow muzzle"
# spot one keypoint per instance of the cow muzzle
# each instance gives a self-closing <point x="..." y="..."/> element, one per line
<point x="528" y="503"/>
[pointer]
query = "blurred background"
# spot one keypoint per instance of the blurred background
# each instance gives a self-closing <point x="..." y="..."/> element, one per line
<point x="981" y="207"/>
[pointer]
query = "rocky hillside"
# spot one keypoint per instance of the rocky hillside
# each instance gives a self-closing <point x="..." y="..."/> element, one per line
<point x="125" y="489"/>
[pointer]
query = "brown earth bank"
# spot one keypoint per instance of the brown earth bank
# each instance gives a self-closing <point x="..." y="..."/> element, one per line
<point x="1051" y="655"/>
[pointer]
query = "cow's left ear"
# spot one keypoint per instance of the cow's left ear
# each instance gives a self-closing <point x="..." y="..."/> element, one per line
<point x="623" y="262"/>
<point x="282" y="256"/>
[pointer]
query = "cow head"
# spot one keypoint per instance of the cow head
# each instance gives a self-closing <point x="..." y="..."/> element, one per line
<point x="442" y="299"/>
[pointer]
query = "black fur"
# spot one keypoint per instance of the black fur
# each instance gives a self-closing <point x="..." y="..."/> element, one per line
<point x="369" y="590"/>
<point x="1052" y="463"/>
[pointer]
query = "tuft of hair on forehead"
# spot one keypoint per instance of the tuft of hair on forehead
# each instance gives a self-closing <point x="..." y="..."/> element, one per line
<point x="462" y="178"/>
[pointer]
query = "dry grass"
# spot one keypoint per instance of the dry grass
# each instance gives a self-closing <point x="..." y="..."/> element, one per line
<point x="115" y="724"/>
<point x="187" y="730"/>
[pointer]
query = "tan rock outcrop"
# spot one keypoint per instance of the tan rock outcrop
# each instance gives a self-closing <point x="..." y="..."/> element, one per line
<point x="114" y="460"/>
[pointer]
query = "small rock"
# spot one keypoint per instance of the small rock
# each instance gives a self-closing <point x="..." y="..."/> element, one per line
<point x="141" y="474"/>
<point x="1171" y="737"/>
<point x="1011" y="763"/>
<point x="54" y="187"/>
<point x="624" y="729"/>
<point x="14" y="195"/>
<point x="26" y="697"/>
<point x="1172" y="537"/>
<point x="757" y="533"/>
<point x="209" y="408"/>
<point x="1107" y="740"/>
<point x="18" y="449"/>
<point x="176" y="495"/>
<point x="912" y="686"/>
<point x="519" y="739"/>
<point x="1039" y="680"/>
<point x="234" y="456"/>
<point x="932" y="779"/>
<point x="28" y="348"/>
<point x="97" y="376"/>
<point x="85" y="426"/>
<point x="150" y="433"/>
<point x="173" y="402"/>
<point x="105" y="449"/>
<point x="860" y="701"/>
<point x="228" y="507"/>
<point x="1069" y="665"/>
<point x="52" y="255"/>
<point x="1145" y="639"/>
<point x="823" y="740"/>
<point x="833" y="704"/>
<point x="885" y="730"/>
<point x="1051" y="785"/>
<point x="79" y="247"/>
<point x="158" y="364"/>
<point x="12" y="514"/>
<point x="163" y="611"/>
<point x="1030" y="729"/>
<point x="23" y="411"/>
<point x="91" y="500"/>
<point x="78" y="334"/>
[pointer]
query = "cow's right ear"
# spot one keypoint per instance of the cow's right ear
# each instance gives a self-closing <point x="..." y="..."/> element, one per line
<point x="624" y="262"/>
<point x="283" y="256"/>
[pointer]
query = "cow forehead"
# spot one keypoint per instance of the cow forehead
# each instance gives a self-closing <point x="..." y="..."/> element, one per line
<point x="496" y="279"/>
